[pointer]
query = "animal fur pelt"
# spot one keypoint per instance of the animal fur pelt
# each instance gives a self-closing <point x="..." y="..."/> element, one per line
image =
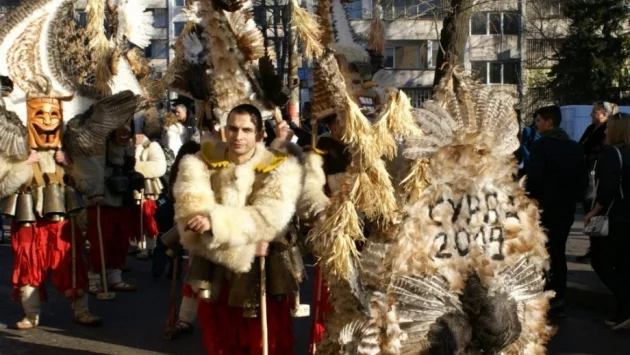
<point x="465" y="269"/>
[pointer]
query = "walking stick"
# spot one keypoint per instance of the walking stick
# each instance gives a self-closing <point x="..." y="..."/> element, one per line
<point x="74" y="260"/>
<point x="142" y="238"/>
<point x="263" y="306"/>
<point x="171" y="318"/>
<point x="105" y="295"/>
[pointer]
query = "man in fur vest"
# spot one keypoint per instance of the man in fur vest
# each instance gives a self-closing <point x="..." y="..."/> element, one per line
<point x="151" y="163"/>
<point x="233" y="201"/>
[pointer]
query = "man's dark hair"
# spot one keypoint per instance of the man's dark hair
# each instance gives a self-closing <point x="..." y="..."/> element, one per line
<point x="253" y="112"/>
<point x="552" y="113"/>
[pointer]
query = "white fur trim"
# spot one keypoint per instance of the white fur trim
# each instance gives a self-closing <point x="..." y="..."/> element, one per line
<point x="313" y="199"/>
<point x="253" y="206"/>
<point x="13" y="174"/>
<point x="150" y="161"/>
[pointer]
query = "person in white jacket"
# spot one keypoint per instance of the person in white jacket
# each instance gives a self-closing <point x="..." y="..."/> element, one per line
<point x="151" y="163"/>
<point x="175" y="134"/>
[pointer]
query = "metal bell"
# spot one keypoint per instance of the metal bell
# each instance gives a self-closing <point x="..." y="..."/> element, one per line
<point x="8" y="206"/>
<point x="74" y="201"/>
<point x="148" y="187"/>
<point x="54" y="206"/>
<point x="24" y="213"/>
<point x="171" y="240"/>
<point x="157" y="186"/>
<point x="199" y="276"/>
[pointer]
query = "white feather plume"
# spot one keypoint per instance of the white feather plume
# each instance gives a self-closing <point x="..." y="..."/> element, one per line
<point x="192" y="48"/>
<point x="134" y="23"/>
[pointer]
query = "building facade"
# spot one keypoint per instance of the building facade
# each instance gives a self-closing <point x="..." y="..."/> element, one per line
<point x="510" y="43"/>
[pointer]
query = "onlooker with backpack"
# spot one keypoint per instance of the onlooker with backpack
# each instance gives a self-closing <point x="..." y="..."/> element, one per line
<point x="557" y="178"/>
<point x="528" y="137"/>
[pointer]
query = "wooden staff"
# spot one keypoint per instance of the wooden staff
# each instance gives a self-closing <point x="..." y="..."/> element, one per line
<point x="105" y="295"/>
<point x="142" y="239"/>
<point x="263" y="306"/>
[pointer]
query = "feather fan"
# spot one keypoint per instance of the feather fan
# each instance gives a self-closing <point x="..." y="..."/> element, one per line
<point x="86" y="134"/>
<point x="13" y="140"/>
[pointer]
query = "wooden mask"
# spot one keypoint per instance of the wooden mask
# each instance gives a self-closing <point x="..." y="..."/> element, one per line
<point x="45" y="123"/>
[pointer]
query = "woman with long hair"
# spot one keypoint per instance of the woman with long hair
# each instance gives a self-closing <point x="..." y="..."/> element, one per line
<point x="608" y="254"/>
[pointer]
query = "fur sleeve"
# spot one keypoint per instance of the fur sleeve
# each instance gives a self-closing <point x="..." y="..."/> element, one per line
<point x="268" y="214"/>
<point x="313" y="199"/>
<point x="89" y="175"/>
<point x="13" y="174"/>
<point x="155" y="165"/>
<point x="193" y="194"/>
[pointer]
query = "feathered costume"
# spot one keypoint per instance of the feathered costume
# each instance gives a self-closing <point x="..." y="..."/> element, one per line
<point x="463" y="271"/>
<point x="247" y="203"/>
<point x="44" y="53"/>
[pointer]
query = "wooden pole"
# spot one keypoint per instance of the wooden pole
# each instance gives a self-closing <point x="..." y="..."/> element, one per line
<point x="263" y="306"/>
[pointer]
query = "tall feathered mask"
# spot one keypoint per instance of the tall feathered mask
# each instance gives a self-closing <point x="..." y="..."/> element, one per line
<point x="465" y="273"/>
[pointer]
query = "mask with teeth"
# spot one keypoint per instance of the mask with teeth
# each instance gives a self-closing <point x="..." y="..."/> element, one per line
<point x="123" y="135"/>
<point x="45" y="123"/>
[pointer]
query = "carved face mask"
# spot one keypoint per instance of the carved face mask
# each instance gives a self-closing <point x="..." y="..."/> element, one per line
<point x="122" y="135"/>
<point x="45" y="123"/>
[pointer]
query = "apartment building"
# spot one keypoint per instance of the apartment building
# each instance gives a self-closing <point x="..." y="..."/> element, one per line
<point x="510" y="42"/>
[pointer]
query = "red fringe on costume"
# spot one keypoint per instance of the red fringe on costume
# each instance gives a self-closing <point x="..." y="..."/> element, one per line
<point x="47" y="245"/>
<point x="132" y="219"/>
<point x="115" y="228"/>
<point x="321" y="308"/>
<point x="226" y="332"/>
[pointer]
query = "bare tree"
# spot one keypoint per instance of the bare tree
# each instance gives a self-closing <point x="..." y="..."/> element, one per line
<point x="453" y="36"/>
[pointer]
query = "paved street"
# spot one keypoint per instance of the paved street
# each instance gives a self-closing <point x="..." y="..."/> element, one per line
<point x="134" y="322"/>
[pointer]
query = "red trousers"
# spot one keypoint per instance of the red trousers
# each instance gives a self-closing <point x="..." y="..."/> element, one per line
<point x="47" y="245"/>
<point x="116" y="224"/>
<point x="226" y="332"/>
<point x="321" y="307"/>
<point x="132" y="218"/>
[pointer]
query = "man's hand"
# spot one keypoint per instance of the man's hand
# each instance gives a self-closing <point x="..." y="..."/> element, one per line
<point x="32" y="158"/>
<point x="62" y="158"/>
<point x="199" y="224"/>
<point x="262" y="248"/>
<point x="283" y="131"/>
<point x="96" y="200"/>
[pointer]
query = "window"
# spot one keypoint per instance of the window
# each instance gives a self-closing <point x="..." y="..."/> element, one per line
<point x="158" y="49"/>
<point x="178" y="27"/>
<point x="180" y="3"/>
<point x="495" y="23"/>
<point x="389" y="57"/>
<point x="480" y="69"/>
<point x="478" y="23"/>
<point x="497" y="72"/>
<point x="411" y="55"/>
<point x="545" y="9"/>
<point x="417" y="95"/>
<point x="354" y="10"/>
<point x="160" y="18"/>
<point x="81" y="18"/>
<point x="394" y="9"/>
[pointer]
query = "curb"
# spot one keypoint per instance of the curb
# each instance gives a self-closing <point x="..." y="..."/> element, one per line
<point x="581" y="295"/>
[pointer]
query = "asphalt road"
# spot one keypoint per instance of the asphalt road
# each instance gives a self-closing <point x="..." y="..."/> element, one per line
<point x="133" y="324"/>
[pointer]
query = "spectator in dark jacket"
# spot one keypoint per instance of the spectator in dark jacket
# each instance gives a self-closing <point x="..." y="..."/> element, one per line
<point x="609" y="254"/>
<point x="557" y="178"/>
<point x="593" y="140"/>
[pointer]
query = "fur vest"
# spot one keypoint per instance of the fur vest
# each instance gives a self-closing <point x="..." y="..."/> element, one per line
<point x="150" y="159"/>
<point x="246" y="203"/>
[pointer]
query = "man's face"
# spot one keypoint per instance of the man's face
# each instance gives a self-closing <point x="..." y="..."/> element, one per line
<point x="45" y="121"/>
<point x="543" y="125"/>
<point x="180" y="112"/>
<point x="240" y="134"/>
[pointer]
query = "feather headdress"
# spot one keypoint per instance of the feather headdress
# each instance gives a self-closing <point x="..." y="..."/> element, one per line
<point x="223" y="44"/>
<point x="467" y="261"/>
